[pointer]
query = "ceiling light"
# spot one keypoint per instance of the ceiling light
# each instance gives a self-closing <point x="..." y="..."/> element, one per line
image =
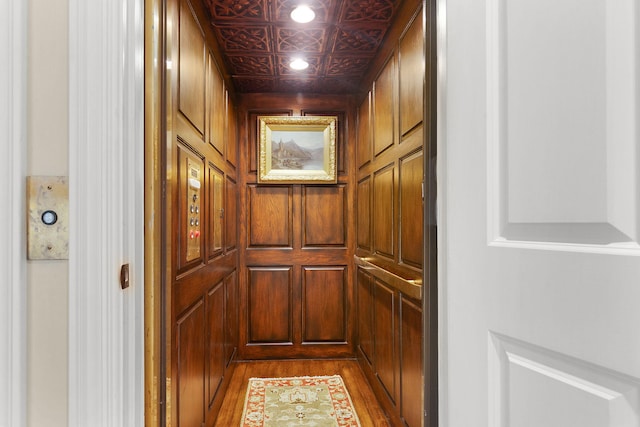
<point x="303" y="14"/>
<point x="298" y="64"/>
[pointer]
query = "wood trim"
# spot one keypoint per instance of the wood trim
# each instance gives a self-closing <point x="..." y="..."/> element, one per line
<point x="106" y="203"/>
<point x="154" y="142"/>
<point x="433" y="207"/>
<point x="13" y="155"/>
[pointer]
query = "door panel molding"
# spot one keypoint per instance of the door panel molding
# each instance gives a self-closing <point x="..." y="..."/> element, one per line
<point x="527" y="383"/>
<point x="560" y="120"/>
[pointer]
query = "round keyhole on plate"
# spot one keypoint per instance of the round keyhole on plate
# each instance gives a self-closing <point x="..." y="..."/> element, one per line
<point x="49" y="217"/>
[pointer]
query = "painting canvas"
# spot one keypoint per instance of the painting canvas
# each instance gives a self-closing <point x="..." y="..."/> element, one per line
<point x="297" y="149"/>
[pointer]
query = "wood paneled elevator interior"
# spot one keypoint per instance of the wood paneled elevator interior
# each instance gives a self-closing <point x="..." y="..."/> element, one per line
<point x="252" y="271"/>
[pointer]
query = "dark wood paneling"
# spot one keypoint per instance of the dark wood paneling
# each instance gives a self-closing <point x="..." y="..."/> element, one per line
<point x="411" y="208"/>
<point x="232" y="131"/>
<point x="364" y="132"/>
<point x="325" y="215"/>
<point x="383" y="218"/>
<point x="363" y="222"/>
<point x="215" y="211"/>
<point x="365" y="314"/>
<point x="411" y="92"/>
<point x="270" y="307"/>
<point x="385" y="337"/>
<point x="269" y="216"/>
<point x="191" y="69"/>
<point x="411" y="362"/>
<point x="217" y="114"/>
<point x="231" y="214"/>
<point x="215" y="339"/>
<point x="190" y="376"/>
<point x="231" y="312"/>
<point x="384" y="108"/>
<point x="299" y="226"/>
<point x="324" y="304"/>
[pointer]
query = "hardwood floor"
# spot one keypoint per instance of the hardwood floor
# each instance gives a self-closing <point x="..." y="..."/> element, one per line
<point x="366" y="405"/>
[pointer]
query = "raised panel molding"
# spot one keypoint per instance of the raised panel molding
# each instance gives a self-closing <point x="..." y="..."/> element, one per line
<point x="384" y="108"/>
<point x="215" y="341"/>
<point x="364" y="214"/>
<point x="544" y="150"/>
<point x="214" y="235"/>
<point x="231" y="214"/>
<point x="191" y="92"/>
<point x="364" y="132"/>
<point x="530" y="386"/>
<point x="270" y="305"/>
<point x="383" y="215"/>
<point x="325" y="216"/>
<point x="216" y="106"/>
<point x="411" y="82"/>
<point x="324" y="306"/>
<point x="269" y="215"/>
<point x="411" y="209"/>
<point x="190" y="340"/>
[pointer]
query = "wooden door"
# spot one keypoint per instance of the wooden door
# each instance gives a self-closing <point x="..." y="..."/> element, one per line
<point x="540" y="212"/>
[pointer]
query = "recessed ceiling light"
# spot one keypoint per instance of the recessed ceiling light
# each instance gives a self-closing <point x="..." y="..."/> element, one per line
<point x="298" y="64"/>
<point x="303" y="14"/>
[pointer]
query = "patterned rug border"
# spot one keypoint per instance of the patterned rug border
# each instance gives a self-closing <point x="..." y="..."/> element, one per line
<point x="307" y="377"/>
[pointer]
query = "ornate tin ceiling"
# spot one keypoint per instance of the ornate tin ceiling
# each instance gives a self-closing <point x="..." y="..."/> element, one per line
<point x="258" y="39"/>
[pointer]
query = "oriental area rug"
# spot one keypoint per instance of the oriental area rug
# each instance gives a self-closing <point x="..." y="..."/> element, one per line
<point x="299" y="401"/>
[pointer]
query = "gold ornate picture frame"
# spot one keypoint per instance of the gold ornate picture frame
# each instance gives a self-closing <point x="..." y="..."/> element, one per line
<point x="297" y="149"/>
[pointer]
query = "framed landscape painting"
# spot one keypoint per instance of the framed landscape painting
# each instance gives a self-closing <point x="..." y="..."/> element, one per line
<point x="297" y="149"/>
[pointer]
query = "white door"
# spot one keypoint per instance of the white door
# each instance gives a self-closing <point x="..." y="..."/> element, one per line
<point x="539" y="215"/>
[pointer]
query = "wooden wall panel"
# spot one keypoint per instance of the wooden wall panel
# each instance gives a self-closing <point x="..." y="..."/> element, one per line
<point x="216" y="211"/>
<point x="231" y="313"/>
<point x="385" y="337"/>
<point x="216" y="98"/>
<point x="215" y="339"/>
<point x="202" y="340"/>
<point x="232" y="131"/>
<point x="363" y="220"/>
<point x="384" y="108"/>
<point x="269" y="209"/>
<point x="191" y="69"/>
<point x="383" y="212"/>
<point x="411" y="361"/>
<point x="324" y="304"/>
<point x="411" y="210"/>
<point x="325" y="215"/>
<point x="301" y="226"/>
<point x="364" y="132"/>
<point x="191" y="366"/>
<point x="231" y="218"/>
<point x="270" y="306"/>
<point x="411" y="66"/>
<point x="365" y="314"/>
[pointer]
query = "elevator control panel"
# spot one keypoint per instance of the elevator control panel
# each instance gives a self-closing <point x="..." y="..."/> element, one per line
<point x="194" y="208"/>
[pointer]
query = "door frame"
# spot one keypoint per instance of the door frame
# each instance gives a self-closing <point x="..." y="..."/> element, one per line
<point x="156" y="351"/>
<point x="106" y="186"/>
<point x="13" y="158"/>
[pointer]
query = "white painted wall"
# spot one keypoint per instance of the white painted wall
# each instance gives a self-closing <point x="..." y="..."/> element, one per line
<point x="47" y="283"/>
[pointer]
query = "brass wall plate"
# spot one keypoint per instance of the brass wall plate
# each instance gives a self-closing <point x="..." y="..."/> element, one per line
<point x="48" y="217"/>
